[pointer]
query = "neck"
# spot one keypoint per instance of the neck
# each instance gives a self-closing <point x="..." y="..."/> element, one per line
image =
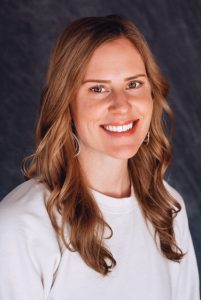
<point x="106" y="175"/>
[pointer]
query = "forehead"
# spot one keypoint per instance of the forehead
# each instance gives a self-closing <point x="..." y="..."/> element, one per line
<point x="115" y="57"/>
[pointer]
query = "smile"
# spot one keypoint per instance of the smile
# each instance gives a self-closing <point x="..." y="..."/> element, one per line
<point x="121" y="129"/>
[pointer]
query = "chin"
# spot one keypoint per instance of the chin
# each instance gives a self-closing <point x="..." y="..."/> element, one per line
<point x="124" y="154"/>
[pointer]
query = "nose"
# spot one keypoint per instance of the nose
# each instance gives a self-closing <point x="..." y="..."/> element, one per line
<point x="120" y="103"/>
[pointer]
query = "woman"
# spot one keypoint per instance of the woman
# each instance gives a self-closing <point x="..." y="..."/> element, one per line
<point x="96" y="219"/>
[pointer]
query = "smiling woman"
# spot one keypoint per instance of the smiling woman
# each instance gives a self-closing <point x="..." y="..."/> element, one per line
<point x="95" y="218"/>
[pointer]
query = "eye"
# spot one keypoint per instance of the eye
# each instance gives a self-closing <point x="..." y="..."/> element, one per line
<point x="97" y="89"/>
<point x="134" y="84"/>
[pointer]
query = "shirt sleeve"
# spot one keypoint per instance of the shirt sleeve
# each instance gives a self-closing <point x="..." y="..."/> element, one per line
<point x="19" y="279"/>
<point x="187" y="286"/>
<point x="29" y="253"/>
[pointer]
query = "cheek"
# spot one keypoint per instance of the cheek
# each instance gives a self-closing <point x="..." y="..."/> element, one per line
<point x="149" y="106"/>
<point x="92" y="112"/>
<point x="145" y="105"/>
<point x="83" y="116"/>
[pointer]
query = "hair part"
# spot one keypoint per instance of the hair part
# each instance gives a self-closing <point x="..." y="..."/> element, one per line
<point x="53" y="162"/>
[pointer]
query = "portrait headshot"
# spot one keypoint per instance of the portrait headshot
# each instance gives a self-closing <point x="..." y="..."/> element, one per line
<point x="100" y="185"/>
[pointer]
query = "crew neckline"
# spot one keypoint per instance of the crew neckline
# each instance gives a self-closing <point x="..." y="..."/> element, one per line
<point x="113" y="204"/>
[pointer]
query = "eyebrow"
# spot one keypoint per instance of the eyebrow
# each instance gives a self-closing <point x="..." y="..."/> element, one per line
<point x="109" y="81"/>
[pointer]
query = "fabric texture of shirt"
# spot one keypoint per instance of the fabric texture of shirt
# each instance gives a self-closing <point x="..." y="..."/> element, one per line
<point x="35" y="266"/>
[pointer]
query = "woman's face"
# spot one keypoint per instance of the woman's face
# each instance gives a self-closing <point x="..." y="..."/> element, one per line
<point x="115" y="95"/>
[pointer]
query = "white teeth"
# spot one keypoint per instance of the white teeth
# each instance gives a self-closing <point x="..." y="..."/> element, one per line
<point x="119" y="128"/>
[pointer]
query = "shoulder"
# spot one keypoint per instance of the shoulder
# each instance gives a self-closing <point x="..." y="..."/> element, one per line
<point x="174" y="193"/>
<point x="177" y="196"/>
<point x="29" y="244"/>
<point x="23" y="214"/>
<point x="28" y="189"/>
<point x="181" y="225"/>
<point x="27" y="198"/>
<point x="24" y="205"/>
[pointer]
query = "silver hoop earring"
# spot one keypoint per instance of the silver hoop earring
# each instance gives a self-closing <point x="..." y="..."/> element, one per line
<point x="77" y="145"/>
<point x="147" y="138"/>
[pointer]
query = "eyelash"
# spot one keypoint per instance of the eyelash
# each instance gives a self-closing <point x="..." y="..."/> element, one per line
<point x="102" y="86"/>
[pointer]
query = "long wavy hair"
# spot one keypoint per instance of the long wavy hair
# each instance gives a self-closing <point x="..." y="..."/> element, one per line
<point x="53" y="163"/>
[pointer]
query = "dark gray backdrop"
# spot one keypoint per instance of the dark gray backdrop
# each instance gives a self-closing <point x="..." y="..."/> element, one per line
<point x="27" y="31"/>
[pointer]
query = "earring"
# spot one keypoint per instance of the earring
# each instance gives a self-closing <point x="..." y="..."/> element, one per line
<point x="77" y="145"/>
<point x="147" y="138"/>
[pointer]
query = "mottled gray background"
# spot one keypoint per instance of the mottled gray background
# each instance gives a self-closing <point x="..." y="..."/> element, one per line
<point x="27" y="32"/>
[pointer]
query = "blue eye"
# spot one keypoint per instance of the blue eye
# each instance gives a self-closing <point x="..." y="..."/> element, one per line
<point x="97" y="89"/>
<point x="134" y="84"/>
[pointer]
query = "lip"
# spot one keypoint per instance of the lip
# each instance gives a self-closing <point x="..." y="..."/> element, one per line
<point x="121" y="123"/>
<point x="123" y="134"/>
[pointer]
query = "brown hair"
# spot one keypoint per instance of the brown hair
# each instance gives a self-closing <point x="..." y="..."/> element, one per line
<point x="54" y="164"/>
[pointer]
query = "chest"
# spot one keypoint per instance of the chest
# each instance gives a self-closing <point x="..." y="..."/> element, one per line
<point x="141" y="271"/>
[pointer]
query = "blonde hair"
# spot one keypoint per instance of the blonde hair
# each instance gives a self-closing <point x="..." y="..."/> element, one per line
<point x="54" y="164"/>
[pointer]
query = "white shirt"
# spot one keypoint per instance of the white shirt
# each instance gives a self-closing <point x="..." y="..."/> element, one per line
<point x="35" y="266"/>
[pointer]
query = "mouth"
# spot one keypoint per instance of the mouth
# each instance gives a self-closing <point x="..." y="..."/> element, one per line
<point x="126" y="129"/>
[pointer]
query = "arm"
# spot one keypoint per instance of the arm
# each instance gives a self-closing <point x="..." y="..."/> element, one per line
<point x="29" y="251"/>
<point x="19" y="279"/>
<point x="186" y="283"/>
<point x="188" y="280"/>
